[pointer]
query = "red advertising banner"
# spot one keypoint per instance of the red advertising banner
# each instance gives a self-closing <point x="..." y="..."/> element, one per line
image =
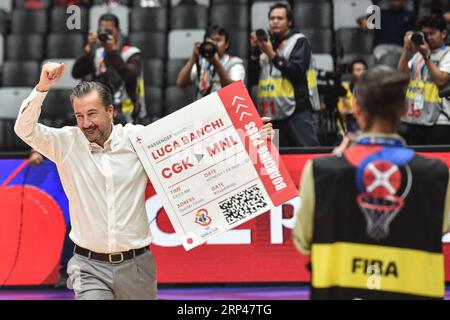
<point x="260" y="250"/>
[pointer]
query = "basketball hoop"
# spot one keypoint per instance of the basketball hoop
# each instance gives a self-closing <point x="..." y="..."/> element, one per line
<point x="379" y="213"/>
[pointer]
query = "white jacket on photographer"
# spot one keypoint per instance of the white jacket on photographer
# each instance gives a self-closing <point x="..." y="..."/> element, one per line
<point x="208" y="80"/>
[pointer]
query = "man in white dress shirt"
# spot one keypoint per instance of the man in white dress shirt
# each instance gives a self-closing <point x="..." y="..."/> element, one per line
<point x="105" y="183"/>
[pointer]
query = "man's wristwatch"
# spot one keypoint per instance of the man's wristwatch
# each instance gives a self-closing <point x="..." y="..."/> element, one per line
<point x="427" y="57"/>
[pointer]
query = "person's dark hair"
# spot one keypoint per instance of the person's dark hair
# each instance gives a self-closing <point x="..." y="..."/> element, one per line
<point x="435" y="21"/>
<point x="110" y="17"/>
<point x="355" y="61"/>
<point x="217" y="29"/>
<point x="85" y="87"/>
<point x="381" y="93"/>
<point x="287" y="7"/>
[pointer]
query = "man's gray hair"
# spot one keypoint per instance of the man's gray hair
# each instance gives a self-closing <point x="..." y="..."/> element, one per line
<point x="85" y="87"/>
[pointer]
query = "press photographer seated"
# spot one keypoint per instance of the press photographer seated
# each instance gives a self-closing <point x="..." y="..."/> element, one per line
<point x="210" y="67"/>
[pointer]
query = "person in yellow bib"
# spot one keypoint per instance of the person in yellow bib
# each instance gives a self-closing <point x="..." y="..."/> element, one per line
<point x="210" y="67"/>
<point x="427" y="118"/>
<point x="281" y="65"/>
<point x="357" y="68"/>
<point x="106" y="58"/>
<point x="377" y="233"/>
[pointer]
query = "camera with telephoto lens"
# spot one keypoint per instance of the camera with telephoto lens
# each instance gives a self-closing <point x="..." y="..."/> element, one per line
<point x="261" y="35"/>
<point x="103" y="35"/>
<point x="208" y="48"/>
<point x="418" y="38"/>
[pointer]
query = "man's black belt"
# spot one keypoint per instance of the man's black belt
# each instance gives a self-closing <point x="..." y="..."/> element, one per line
<point x="110" y="257"/>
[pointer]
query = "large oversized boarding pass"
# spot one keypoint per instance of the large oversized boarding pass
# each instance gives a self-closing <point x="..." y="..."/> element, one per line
<point x="211" y="167"/>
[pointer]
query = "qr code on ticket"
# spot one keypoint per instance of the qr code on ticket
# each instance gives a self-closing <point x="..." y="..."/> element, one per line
<point x="243" y="204"/>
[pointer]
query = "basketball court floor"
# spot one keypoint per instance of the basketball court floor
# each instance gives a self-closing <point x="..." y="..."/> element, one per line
<point x="180" y="293"/>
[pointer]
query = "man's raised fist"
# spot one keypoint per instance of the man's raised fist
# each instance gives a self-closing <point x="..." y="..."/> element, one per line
<point x="50" y="75"/>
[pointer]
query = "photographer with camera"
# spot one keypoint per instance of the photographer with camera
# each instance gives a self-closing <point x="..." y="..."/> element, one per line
<point x="108" y="60"/>
<point x="210" y="67"/>
<point x="280" y="65"/>
<point x="427" y="119"/>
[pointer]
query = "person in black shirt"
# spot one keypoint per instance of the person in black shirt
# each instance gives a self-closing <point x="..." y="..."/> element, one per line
<point x="279" y="66"/>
